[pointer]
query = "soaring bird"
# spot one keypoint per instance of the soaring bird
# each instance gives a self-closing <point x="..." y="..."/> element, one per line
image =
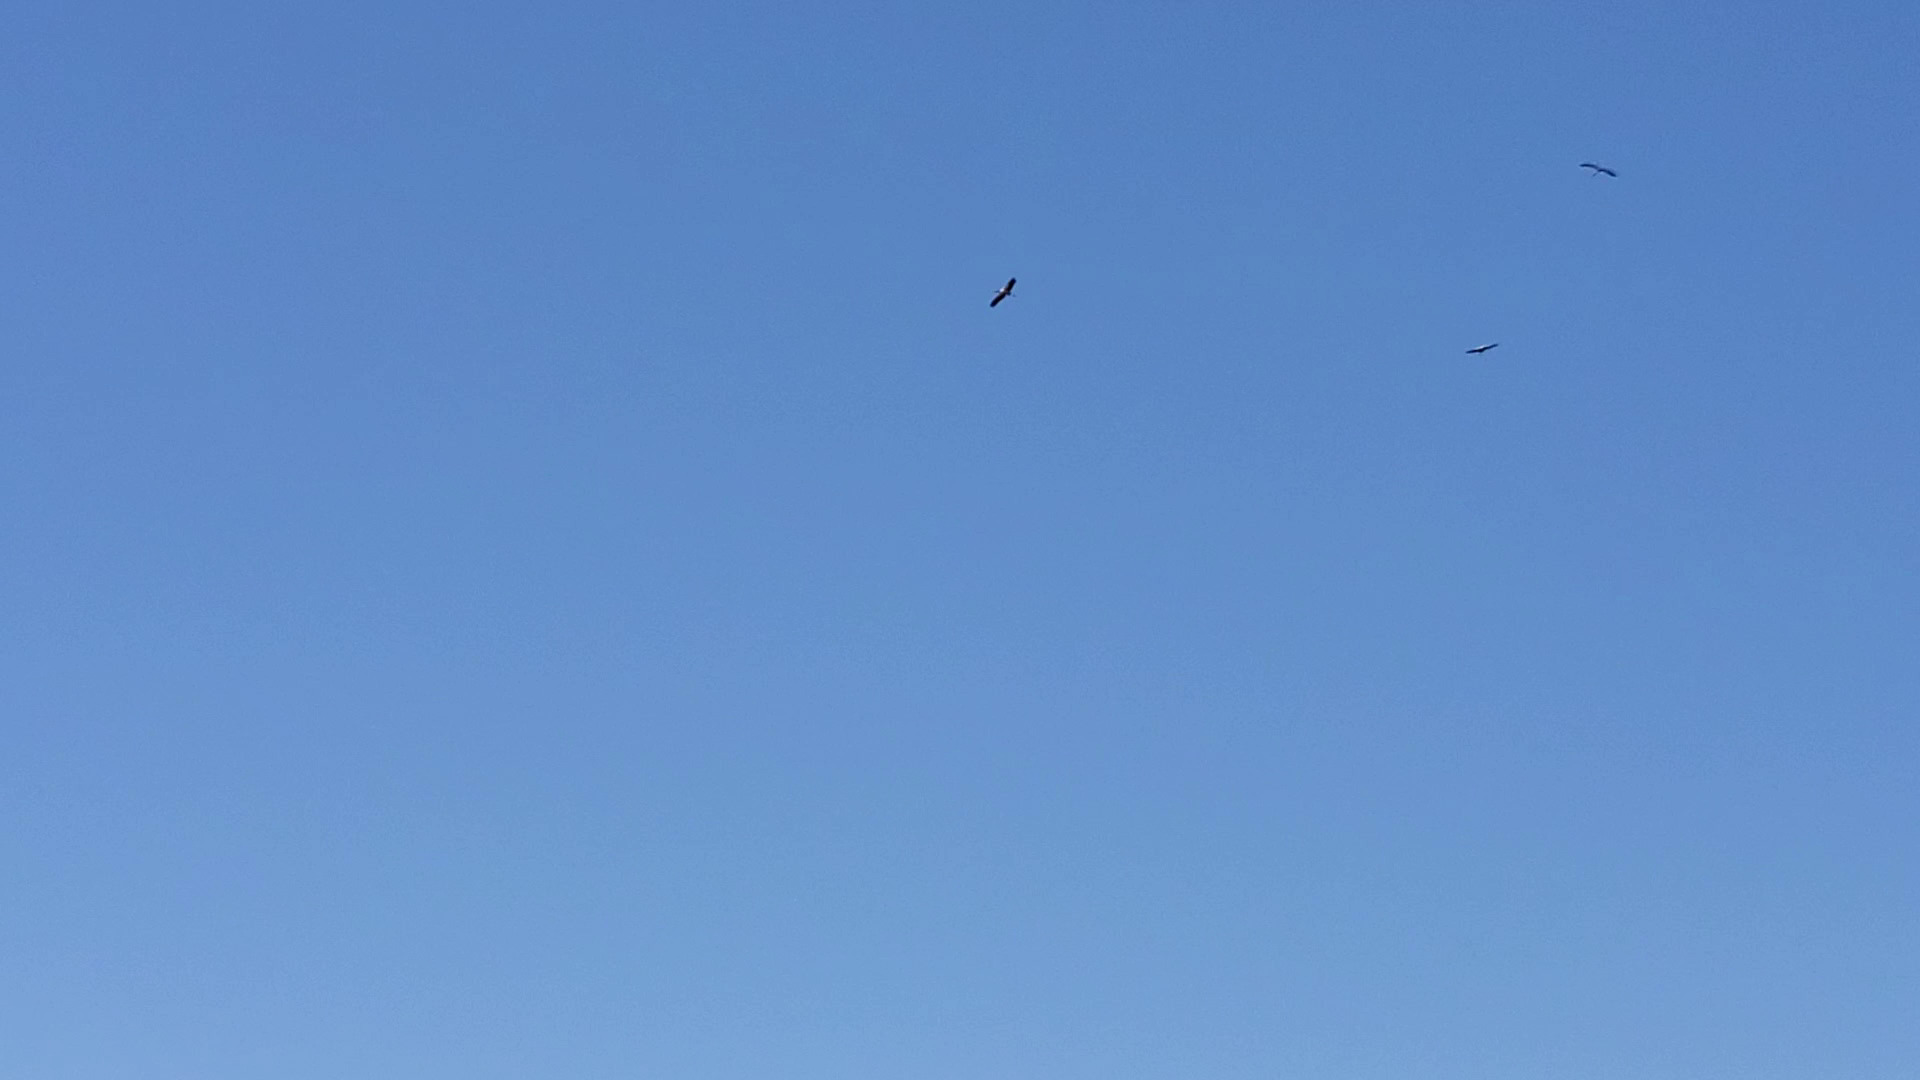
<point x="1598" y="170"/>
<point x="1478" y="349"/>
<point x="1005" y="291"/>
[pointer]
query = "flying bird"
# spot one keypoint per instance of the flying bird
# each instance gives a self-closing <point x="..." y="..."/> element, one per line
<point x="1478" y="349"/>
<point x="1598" y="169"/>
<point x="1005" y="291"/>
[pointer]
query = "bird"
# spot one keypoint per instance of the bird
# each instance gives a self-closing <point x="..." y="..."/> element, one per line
<point x="1598" y="169"/>
<point x="1005" y="291"/>
<point x="1478" y="349"/>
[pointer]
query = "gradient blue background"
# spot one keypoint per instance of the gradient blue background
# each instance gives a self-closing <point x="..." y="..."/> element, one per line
<point x="523" y="551"/>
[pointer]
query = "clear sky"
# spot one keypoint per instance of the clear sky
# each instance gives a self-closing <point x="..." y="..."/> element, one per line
<point x="524" y="551"/>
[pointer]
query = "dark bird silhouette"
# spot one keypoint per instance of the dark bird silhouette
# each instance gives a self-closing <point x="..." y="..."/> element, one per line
<point x="1005" y="291"/>
<point x="1598" y="169"/>
<point x="1478" y="349"/>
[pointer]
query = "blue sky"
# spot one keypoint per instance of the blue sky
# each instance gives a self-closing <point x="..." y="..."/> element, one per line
<point x="525" y="551"/>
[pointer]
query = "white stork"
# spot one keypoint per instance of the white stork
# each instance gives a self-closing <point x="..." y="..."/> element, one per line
<point x="1598" y="169"/>
<point x="1005" y="291"/>
<point x="1478" y="349"/>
